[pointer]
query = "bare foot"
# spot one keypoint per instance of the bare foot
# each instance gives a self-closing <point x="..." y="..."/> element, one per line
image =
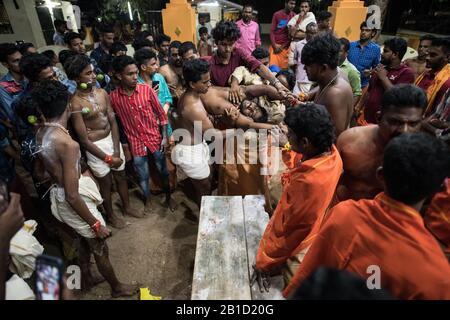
<point x="133" y="213"/>
<point x="171" y="204"/>
<point x="91" y="281"/>
<point x="117" y="222"/>
<point x="148" y="209"/>
<point x="125" y="290"/>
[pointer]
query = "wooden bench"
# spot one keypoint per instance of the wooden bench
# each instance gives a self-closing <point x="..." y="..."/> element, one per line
<point x="229" y="232"/>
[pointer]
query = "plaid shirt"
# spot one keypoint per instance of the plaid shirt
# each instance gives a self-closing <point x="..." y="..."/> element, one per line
<point x="364" y="58"/>
<point x="141" y="115"/>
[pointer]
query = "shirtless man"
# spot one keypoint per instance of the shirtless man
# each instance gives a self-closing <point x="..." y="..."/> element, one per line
<point x="321" y="57"/>
<point x="172" y="72"/>
<point x="74" y="198"/>
<point x="94" y="122"/>
<point x="419" y="63"/>
<point x="362" y="148"/>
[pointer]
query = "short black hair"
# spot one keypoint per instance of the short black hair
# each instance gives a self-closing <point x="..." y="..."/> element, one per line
<point x="346" y="43"/>
<point x="49" y="54"/>
<point x="260" y="53"/>
<point x="143" y="55"/>
<point x="160" y="38"/>
<point x="307" y="1"/>
<point x="226" y="30"/>
<point x="415" y="166"/>
<point x="140" y="43"/>
<point x="65" y="54"/>
<point x="323" y="15"/>
<point x="51" y="97"/>
<point x="185" y="47"/>
<point x="427" y="37"/>
<point x="121" y="62"/>
<point x="202" y="30"/>
<point x="397" y="45"/>
<point x="59" y="23"/>
<point x="75" y="65"/>
<point x="312" y="121"/>
<point x="332" y="284"/>
<point x="444" y="43"/>
<point x="247" y="5"/>
<point x="105" y="28"/>
<point x="7" y="49"/>
<point x="323" y="49"/>
<point x="23" y="47"/>
<point x="105" y="63"/>
<point x="364" y="24"/>
<point x="290" y="77"/>
<point x="69" y="36"/>
<point x="32" y="64"/>
<point x="117" y="46"/>
<point x="194" y="69"/>
<point x="175" y="44"/>
<point x="26" y="107"/>
<point x="403" y="96"/>
<point x="143" y="34"/>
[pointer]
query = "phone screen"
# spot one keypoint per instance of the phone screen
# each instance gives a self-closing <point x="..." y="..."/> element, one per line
<point x="48" y="278"/>
<point x="155" y="84"/>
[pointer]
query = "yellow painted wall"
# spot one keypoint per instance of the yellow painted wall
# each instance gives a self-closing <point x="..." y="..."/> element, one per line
<point x="179" y="21"/>
<point x="347" y="18"/>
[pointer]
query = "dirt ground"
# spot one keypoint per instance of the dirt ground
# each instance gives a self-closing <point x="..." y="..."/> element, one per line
<point x="156" y="251"/>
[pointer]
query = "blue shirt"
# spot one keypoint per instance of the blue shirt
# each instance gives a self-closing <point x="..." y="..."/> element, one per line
<point x="363" y="58"/>
<point x="98" y="54"/>
<point x="164" y="95"/>
<point x="10" y="90"/>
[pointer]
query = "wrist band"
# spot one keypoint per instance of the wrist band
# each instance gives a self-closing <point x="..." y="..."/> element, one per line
<point x="108" y="159"/>
<point x="96" y="227"/>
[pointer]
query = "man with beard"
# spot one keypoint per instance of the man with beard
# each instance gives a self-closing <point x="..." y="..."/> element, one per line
<point x="321" y="57"/>
<point x="436" y="80"/>
<point x="362" y="148"/>
<point x="365" y="53"/>
<point x="390" y="72"/>
<point x="106" y="41"/>
<point x="250" y="38"/>
<point x="419" y="63"/>
<point x="172" y="71"/>
<point x="163" y="46"/>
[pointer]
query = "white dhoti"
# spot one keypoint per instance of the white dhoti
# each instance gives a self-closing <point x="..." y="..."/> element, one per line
<point x="192" y="160"/>
<point x="98" y="167"/>
<point x="64" y="212"/>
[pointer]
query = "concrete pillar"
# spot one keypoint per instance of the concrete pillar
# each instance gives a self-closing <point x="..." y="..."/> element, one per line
<point x="347" y="18"/>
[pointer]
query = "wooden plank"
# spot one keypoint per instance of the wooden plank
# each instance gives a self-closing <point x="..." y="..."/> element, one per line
<point x="256" y="220"/>
<point x="220" y="270"/>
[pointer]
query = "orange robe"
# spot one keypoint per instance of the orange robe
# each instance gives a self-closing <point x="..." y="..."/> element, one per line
<point x="307" y="192"/>
<point x="437" y="217"/>
<point x="385" y="233"/>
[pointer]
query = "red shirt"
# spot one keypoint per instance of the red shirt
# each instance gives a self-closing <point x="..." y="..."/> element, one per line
<point x="140" y="114"/>
<point x="220" y="73"/>
<point x="279" y="32"/>
<point x="402" y="74"/>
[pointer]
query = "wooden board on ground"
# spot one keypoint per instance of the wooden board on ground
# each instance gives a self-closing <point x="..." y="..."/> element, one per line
<point x="221" y="266"/>
<point x="256" y="220"/>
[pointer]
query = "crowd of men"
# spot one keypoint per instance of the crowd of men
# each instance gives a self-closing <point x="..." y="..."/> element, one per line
<point x="363" y="133"/>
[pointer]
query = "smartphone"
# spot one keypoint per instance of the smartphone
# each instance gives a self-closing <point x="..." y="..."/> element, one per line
<point x="49" y="275"/>
<point x="155" y="84"/>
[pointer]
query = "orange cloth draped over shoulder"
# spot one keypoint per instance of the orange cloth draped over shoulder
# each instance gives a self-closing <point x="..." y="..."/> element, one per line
<point x="437" y="216"/>
<point x="385" y="233"/>
<point x="307" y="192"/>
<point x="281" y="59"/>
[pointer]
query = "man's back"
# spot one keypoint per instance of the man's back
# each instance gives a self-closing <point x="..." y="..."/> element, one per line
<point x="388" y="235"/>
<point x="361" y="155"/>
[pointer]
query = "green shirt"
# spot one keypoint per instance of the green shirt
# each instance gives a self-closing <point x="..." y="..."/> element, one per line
<point x="354" y="77"/>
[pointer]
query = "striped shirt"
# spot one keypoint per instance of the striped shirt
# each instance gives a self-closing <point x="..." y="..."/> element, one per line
<point x="362" y="58"/>
<point x="141" y="115"/>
